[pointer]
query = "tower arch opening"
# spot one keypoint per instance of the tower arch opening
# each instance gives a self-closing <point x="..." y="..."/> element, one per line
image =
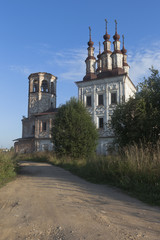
<point x="35" y="86"/>
<point x="44" y="86"/>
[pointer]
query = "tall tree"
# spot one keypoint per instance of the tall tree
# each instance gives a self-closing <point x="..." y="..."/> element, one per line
<point x="138" y="120"/>
<point x="73" y="132"/>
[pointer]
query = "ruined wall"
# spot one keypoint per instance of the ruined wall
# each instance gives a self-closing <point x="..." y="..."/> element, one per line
<point x="24" y="146"/>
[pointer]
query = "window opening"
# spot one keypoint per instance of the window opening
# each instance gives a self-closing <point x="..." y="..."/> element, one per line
<point x="100" y="122"/>
<point x="100" y="99"/>
<point x="35" y="86"/>
<point x="44" y="126"/>
<point x="44" y="86"/>
<point x="33" y="129"/>
<point x="113" y="98"/>
<point x="88" y="101"/>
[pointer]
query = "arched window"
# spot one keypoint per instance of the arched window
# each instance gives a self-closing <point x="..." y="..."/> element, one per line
<point x="35" y="86"/>
<point x="44" y="86"/>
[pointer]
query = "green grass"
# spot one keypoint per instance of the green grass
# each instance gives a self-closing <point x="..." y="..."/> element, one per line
<point x="136" y="170"/>
<point x="8" y="167"/>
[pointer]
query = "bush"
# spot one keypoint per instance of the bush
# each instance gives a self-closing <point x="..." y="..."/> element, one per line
<point x="74" y="134"/>
<point x="138" y="119"/>
<point x="8" y="167"/>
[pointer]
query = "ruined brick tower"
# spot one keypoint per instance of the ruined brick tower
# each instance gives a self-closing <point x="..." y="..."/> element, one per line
<point x="42" y="92"/>
<point x="36" y="128"/>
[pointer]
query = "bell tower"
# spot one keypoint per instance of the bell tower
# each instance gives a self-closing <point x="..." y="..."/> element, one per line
<point x="42" y="92"/>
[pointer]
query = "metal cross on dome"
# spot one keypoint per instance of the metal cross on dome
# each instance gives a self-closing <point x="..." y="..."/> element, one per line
<point x="116" y="25"/>
<point x="123" y="39"/>
<point x="90" y="33"/>
<point x="106" y="24"/>
<point x="99" y="48"/>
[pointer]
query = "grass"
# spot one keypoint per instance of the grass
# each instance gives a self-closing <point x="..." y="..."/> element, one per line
<point x="136" y="170"/>
<point x="8" y="167"/>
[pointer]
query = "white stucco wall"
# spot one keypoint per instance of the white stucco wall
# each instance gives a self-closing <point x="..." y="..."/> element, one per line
<point x="121" y="85"/>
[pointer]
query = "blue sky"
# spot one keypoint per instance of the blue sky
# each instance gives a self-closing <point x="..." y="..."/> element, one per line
<point x="51" y="36"/>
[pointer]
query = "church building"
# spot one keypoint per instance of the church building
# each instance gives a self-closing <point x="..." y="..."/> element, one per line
<point x="106" y="84"/>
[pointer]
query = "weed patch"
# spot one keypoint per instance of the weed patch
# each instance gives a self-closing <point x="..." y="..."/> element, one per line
<point x="8" y="167"/>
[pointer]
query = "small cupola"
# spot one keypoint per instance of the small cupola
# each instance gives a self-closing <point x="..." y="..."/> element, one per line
<point x="99" y="61"/>
<point x="116" y="36"/>
<point x="106" y="55"/>
<point x="117" y="56"/>
<point x="90" y="61"/>
<point x="125" y="64"/>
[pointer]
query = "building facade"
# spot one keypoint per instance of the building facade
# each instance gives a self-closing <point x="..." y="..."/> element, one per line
<point x="36" y="128"/>
<point x="106" y="84"/>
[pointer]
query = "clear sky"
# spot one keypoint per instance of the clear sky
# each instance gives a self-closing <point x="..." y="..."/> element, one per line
<point x="51" y="36"/>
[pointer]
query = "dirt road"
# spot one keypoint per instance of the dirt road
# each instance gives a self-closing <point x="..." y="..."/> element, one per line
<point x="49" y="203"/>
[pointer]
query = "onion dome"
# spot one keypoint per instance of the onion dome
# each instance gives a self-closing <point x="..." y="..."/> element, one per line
<point x="116" y="37"/>
<point x="106" y="36"/>
<point x="124" y="51"/>
<point x="90" y="43"/>
<point x="98" y="56"/>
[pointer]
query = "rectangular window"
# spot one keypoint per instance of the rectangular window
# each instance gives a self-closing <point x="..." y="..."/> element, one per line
<point x="100" y="122"/>
<point x="33" y="129"/>
<point x="88" y="101"/>
<point x="114" y="98"/>
<point x="100" y="99"/>
<point x="44" y="126"/>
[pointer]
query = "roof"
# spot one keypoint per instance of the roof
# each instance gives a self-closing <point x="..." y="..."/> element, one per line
<point x="107" y="74"/>
<point x="19" y="139"/>
<point x="38" y="73"/>
<point x="51" y="110"/>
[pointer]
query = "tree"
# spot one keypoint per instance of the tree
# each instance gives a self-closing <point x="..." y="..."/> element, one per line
<point x="73" y="132"/>
<point x="138" y="120"/>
